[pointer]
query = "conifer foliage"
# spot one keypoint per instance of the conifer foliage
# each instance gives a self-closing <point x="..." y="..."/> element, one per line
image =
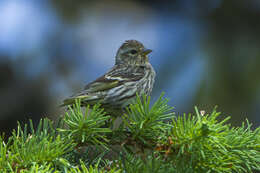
<point x="149" y="139"/>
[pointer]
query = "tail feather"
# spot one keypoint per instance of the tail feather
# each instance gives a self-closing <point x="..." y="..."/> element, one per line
<point x="86" y="99"/>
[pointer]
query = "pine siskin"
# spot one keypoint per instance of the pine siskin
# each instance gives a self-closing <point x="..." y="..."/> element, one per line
<point x="132" y="74"/>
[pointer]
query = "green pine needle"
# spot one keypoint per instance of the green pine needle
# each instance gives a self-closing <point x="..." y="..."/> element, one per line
<point x="86" y="127"/>
<point x="150" y="139"/>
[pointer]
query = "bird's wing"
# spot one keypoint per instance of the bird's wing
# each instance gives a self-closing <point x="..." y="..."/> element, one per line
<point x="113" y="78"/>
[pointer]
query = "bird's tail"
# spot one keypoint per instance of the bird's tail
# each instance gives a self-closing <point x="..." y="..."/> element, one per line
<point x="86" y="99"/>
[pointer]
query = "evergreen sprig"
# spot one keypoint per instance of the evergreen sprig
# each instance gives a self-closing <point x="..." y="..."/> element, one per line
<point x="28" y="147"/>
<point x="86" y="127"/>
<point x="202" y="143"/>
<point x="162" y="143"/>
<point x="145" y="123"/>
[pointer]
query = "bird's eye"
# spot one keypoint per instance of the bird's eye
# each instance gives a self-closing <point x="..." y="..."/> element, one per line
<point x="133" y="51"/>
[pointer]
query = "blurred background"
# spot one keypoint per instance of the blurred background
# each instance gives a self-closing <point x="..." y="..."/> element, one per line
<point x="205" y="53"/>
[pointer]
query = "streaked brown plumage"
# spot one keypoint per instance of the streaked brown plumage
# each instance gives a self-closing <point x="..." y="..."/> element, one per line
<point x="131" y="74"/>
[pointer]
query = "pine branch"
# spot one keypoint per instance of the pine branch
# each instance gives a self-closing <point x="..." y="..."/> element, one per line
<point x="149" y="139"/>
<point x="86" y="127"/>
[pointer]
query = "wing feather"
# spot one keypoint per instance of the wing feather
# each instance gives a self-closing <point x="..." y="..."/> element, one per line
<point x="117" y="76"/>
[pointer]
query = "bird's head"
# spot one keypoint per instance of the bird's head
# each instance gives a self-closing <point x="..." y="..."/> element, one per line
<point x="132" y="52"/>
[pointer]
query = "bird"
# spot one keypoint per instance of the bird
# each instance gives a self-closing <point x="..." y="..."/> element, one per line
<point x="131" y="75"/>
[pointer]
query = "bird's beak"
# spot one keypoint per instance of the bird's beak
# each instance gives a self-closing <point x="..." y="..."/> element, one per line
<point x="146" y="51"/>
